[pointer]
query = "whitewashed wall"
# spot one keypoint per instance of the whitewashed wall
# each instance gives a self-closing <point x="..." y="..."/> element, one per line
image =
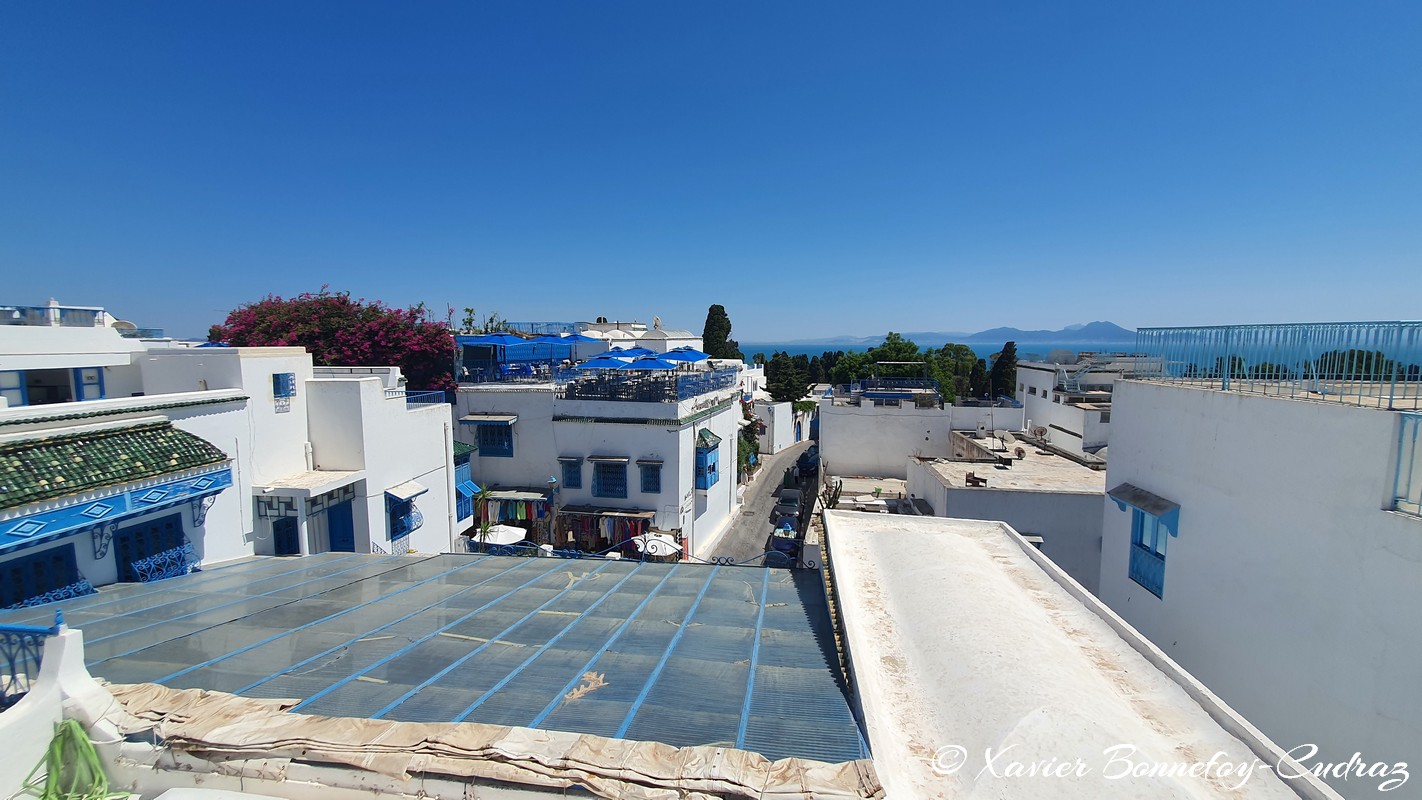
<point x="779" y="419"/>
<point x="1290" y="591"/>
<point x="877" y="441"/>
<point x="1068" y="522"/>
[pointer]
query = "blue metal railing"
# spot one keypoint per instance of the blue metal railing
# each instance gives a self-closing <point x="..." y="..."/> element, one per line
<point x="21" y="653"/>
<point x="1368" y="363"/>
<point x="428" y="398"/>
<point x="1407" y="484"/>
<point x="1147" y="569"/>
<point x="166" y="564"/>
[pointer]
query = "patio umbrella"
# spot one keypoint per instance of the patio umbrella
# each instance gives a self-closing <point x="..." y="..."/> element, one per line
<point x="503" y="339"/>
<point x="656" y="544"/>
<point x="577" y="338"/>
<point x="631" y="352"/>
<point x="650" y="363"/>
<point x="504" y="534"/>
<point x="603" y="362"/>
<point x="685" y="354"/>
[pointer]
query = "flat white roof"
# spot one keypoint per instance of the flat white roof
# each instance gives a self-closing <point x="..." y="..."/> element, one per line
<point x="311" y="482"/>
<point x="1037" y="471"/>
<point x="963" y="645"/>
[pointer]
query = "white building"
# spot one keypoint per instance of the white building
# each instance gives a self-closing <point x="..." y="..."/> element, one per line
<point x="1265" y="530"/>
<point x="780" y="425"/>
<point x="588" y="459"/>
<point x="148" y="461"/>
<point x="1069" y="405"/>
<point x="1038" y="493"/>
<point x="873" y="427"/>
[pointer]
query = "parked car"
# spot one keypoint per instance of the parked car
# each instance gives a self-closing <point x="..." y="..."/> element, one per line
<point x="788" y="503"/>
<point x="809" y="461"/>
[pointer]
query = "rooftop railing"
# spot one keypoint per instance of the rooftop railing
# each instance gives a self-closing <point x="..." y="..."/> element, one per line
<point x="1364" y="363"/>
<point x="1407" y="484"/>
<point x="643" y="386"/>
<point x="50" y="316"/>
<point x="21" y="653"/>
<point x="426" y="398"/>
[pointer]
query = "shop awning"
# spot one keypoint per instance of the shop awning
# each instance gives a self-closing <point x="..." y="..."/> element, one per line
<point x="407" y="491"/>
<point x="310" y="483"/>
<point x="607" y="512"/>
<point x="488" y="419"/>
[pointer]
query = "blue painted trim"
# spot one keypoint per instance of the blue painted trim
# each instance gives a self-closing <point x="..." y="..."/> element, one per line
<point x="80" y="515"/>
<point x="476" y="651"/>
<point x="578" y="676"/>
<point x="412" y="645"/>
<point x="544" y="648"/>
<point x="754" y="659"/>
<point x="327" y="618"/>
<point x="24" y="386"/>
<point x="657" y="672"/>
<point x="214" y="608"/>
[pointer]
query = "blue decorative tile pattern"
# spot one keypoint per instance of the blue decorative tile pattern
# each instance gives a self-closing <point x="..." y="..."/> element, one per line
<point x="82" y="515"/>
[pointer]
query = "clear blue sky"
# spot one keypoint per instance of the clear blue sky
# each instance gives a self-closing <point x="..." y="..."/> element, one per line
<point x="818" y="168"/>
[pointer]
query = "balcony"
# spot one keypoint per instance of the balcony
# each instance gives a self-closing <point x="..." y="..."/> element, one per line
<point x="1376" y="364"/>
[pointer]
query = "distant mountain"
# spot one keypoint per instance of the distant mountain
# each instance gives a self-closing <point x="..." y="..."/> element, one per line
<point x="1089" y="332"/>
<point x="1095" y="332"/>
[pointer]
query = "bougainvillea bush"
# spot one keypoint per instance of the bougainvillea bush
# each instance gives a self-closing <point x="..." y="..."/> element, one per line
<point x="339" y="331"/>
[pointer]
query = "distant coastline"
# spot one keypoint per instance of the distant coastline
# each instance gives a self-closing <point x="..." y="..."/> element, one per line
<point x="1026" y="351"/>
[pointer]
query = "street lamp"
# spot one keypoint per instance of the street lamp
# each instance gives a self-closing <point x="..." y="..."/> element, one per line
<point x="553" y="510"/>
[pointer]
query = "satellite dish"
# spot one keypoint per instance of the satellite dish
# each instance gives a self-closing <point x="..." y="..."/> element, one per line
<point x="123" y="325"/>
<point x="1040" y="431"/>
<point x="656" y="322"/>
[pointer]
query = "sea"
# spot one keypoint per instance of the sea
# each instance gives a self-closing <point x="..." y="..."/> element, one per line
<point x="1026" y="351"/>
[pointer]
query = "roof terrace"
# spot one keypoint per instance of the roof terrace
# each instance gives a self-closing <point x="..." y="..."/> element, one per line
<point x="1375" y="364"/>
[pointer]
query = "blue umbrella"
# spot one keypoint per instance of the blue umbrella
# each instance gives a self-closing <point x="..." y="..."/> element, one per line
<point x="577" y="338"/>
<point x="602" y="362"/>
<point x="685" y="354"/>
<point x="630" y="352"/>
<point x="496" y="339"/>
<point x="651" y="362"/>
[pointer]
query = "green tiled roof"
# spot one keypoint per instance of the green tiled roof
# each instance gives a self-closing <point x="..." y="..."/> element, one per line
<point x="44" y="468"/>
<point x="705" y="438"/>
<point x="462" y="449"/>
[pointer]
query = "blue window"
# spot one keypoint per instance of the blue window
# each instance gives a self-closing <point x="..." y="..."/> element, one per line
<point x="609" y="479"/>
<point x="708" y="467"/>
<point x="89" y="383"/>
<point x="465" y="490"/>
<point x="1148" y="537"/>
<point x="496" y="440"/>
<point x="404" y="518"/>
<point x="572" y="473"/>
<point x="1154" y="520"/>
<point x="651" y="478"/>
<point x="284" y="384"/>
<point x="12" y="388"/>
<point x="708" y="459"/>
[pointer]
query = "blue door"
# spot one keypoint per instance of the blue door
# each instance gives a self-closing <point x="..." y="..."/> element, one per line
<point x="143" y="542"/>
<point x="341" y="528"/>
<point x="284" y="537"/>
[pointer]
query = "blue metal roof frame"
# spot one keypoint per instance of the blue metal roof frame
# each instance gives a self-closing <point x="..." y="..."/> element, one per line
<point x="678" y="653"/>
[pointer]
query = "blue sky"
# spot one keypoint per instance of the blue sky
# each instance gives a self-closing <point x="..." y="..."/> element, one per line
<point x="818" y="168"/>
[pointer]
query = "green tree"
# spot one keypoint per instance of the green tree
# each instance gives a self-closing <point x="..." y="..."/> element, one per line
<point x="1002" y="379"/>
<point x="716" y="335"/>
<point x="785" y="379"/>
<point x="339" y="331"/>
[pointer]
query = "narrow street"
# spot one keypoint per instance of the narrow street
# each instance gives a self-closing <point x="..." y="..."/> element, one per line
<point x="749" y="534"/>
